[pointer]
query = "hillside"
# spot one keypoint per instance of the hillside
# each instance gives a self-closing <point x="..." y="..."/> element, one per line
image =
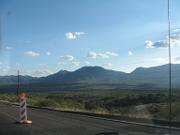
<point x="153" y="76"/>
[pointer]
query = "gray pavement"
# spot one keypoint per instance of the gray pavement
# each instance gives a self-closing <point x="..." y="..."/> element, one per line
<point x="46" y="122"/>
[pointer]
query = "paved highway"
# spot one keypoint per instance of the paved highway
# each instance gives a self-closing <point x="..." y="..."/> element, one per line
<point x="46" y="122"/>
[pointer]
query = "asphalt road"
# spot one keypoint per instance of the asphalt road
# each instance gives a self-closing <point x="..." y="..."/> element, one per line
<point x="46" y="122"/>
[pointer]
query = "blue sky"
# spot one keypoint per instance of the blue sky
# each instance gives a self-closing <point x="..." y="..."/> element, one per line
<point x="42" y="37"/>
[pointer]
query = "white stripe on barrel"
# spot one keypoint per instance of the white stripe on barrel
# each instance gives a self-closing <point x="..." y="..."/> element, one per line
<point x="23" y="109"/>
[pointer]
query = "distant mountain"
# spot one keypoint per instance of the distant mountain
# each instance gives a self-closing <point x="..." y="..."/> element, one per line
<point x="158" y="76"/>
<point x="142" y="77"/>
<point x="84" y="75"/>
<point x="54" y="78"/>
<point x="12" y="79"/>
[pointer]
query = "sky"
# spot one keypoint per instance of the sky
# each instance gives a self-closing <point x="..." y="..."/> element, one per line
<point x="41" y="37"/>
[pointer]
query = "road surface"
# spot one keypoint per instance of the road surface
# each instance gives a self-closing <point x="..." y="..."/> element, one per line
<point x="46" y="122"/>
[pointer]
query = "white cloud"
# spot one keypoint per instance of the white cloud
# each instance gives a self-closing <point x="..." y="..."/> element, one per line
<point x="79" y="33"/>
<point x="71" y="63"/>
<point x="31" y="54"/>
<point x="62" y="63"/>
<point x="73" y="35"/>
<point x="92" y="55"/>
<point x="157" y="44"/>
<point x="8" y="48"/>
<point x="75" y="63"/>
<point x="149" y="44"/>
<point x="40" y="73"/>
<point x="176" y="30"/>
<point x="87" y="63"/>
<point x="105" y="55"/>
<point x="48" y="53"/>
<point x="130" y="53"/>
<point x="107" y="64"/>
<point x="70" y="35"/>
<point x="6" y="69"/>
<point x="111" y="53"/>
<point x="174" y="41"/>
<point x="160" y="60"/>
<point x="69" y="60"/>
<point x="176" y="60"/>
<point x="102" y="55"/>
<point x="1" y="63"/>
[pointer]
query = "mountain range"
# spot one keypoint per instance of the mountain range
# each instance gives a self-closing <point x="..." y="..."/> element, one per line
<point x="154" y="76"/>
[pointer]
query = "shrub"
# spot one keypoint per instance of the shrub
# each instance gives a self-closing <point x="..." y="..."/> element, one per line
<point x="46" y="103"/>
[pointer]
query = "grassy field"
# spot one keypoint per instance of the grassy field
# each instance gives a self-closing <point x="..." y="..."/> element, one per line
<point x="131" y="103"/>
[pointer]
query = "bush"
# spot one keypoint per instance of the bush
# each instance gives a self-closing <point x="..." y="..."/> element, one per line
<point x="90" y="105"/>
<point x="46" y="103"/>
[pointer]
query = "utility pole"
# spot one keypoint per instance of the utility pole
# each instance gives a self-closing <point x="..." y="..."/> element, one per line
<point x="170" y="67"/>
<point x="1" y="44"/>
<point x="18" y="83"/>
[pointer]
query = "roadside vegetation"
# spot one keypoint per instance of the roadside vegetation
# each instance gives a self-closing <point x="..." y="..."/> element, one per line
<point x="129" y="103"/>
